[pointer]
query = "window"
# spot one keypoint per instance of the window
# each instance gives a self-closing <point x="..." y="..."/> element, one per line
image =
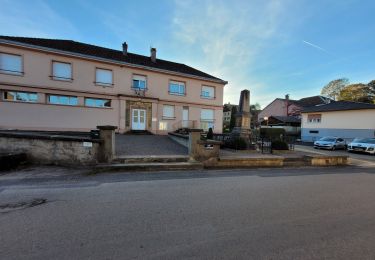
<point x="207" y="119"/>
<point x="208" y="92"/>
<point x="163" y="126"/>
<point x="177" y="88"/>
<point x="168" y="112"/>
<point x="61" y="71"/>
<point x="62" y="100"/>
<point x="314" y="118"/>
<point x="139" y="82"/>
<point x="94" y="102"/>
<point x="104" y="77"/>
<point x="11" y="64"/>
<point x="20" y="96"/>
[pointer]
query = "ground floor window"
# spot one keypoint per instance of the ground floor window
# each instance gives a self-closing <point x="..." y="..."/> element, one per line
<point x="168" y="112"/>
<point x="95" y="102"/>
<point x="207" y="119"/>
<point x="63" y="100"/>
<point x="20" y="96"/>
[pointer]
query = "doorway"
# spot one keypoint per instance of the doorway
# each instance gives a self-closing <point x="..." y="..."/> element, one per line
<point x="185" y="117"/>
<point x="138" y="119"/>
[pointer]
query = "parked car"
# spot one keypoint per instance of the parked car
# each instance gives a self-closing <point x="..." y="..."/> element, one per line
<point x="366" y="145"/>
<point x="331" y="143"/>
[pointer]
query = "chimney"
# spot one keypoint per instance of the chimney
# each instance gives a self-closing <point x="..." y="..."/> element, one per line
<point x="125" y="49"/>
<point x="153" y="55"/>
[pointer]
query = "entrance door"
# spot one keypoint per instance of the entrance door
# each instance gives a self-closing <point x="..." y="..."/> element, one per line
<point x="185" y="117"/>
<point x="138" y="119"/>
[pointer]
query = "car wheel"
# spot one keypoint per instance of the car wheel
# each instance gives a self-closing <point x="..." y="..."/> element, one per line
<point x="333" y="148"/>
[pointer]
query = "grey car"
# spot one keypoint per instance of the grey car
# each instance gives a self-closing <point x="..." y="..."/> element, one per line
<point x="331" y="143"/>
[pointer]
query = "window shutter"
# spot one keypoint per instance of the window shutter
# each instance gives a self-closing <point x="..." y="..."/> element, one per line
<point x="168" y="111"/>
<point x="10" y="63"/>
<point x="104" y="76"/>
<point x="62" y="70"/>
<point x="208" y="91"/>
<point x="207" y="114"/>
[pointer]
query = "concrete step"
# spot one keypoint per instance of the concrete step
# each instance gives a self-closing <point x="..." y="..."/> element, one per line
<point x="151" y="159"/>
<point x="117" y="167"/>
<point x="295" y="162"/>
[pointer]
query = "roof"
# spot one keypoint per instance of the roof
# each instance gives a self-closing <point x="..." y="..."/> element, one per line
<point x="312" y="101"/>
<point x="287" y="119"/>
<point x="339" y="106"/>
<point x="110" y="54"/>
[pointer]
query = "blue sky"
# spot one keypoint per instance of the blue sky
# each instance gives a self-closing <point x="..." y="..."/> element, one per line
<point x="273" y="47"/>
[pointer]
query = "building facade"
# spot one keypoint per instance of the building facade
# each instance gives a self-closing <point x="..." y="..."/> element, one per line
<point x="69" y="86"/>
<point x="342" y="119"/>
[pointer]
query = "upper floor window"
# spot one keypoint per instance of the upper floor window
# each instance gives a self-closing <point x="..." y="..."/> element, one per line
<point x="314" y="118"/>
<point x="63" y="100"/>
<point x="11" y="64"/>
<point x="208" y="92"/>
<point x="177" y="88"/>
<point x="168" y="112"/>
<point x="96" y="102"/>
<point x="139" y="82"/>
<point x="104" y="77"/>
<point x="20" y="96"/>
<point x="62" y="71"/>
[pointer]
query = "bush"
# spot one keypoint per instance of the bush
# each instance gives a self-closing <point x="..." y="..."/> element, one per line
<point x="279" y="145"/>
<point x="272" y="133"/>
<point x="238" y="144"/>
<point x="210" y="134"/>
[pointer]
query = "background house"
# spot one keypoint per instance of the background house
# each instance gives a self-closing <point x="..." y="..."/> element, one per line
<point x="286" y="113"/>
<point x="343" y="119"/>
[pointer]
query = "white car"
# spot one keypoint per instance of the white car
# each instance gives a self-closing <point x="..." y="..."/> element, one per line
<point x="366" y="145"/>
<point x="331" y="143"/>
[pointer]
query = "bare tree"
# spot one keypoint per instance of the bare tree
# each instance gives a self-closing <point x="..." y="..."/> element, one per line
<point x="333" y="88"/>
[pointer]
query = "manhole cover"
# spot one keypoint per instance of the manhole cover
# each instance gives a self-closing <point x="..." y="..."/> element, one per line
<point x="4" y="208"/>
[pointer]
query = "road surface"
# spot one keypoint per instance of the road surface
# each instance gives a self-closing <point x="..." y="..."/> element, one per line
<point x="301" y="213"/>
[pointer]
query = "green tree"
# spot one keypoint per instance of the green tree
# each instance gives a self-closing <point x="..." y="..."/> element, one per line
<point x="333" y="88"/>
<point x="255" y="106"/>
<point x="357" y="92"/>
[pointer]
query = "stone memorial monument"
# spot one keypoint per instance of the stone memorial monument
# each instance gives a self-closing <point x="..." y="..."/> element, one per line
<point x="243" y="118"/>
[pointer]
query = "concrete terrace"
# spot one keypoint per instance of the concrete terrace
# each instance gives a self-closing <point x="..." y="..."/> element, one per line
<point x="147" y="145"/>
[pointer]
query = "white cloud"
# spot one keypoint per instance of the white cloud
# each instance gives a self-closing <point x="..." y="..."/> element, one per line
<point x="226" y="38"/>
<point x="33" y="19"/>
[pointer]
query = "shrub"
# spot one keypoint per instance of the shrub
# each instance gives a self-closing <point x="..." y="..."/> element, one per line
<point x="210" y="134"/>
<point x="238" y="144"/>
<point x="279" y="145"/>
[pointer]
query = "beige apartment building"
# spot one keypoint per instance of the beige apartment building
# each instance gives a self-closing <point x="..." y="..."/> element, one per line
<point x="63" y="85"/>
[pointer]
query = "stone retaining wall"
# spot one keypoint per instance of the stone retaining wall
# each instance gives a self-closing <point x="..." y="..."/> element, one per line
<point x="59" y="150"/>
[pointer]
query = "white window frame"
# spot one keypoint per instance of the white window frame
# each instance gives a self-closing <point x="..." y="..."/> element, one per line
<point x="60" y="78"/>
<point x="180" y="85"/>
<point x="101" y="83"/>
<point x="9" y="71"/>
<point x="139" y="78"/>
<point x="206" y="94"/>
<point x="72" y="100"/>
<point x="167" y="115"/>
<point x="29" y="99"/>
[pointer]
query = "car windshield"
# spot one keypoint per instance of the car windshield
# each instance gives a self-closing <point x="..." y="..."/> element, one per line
<point x="327" y="139"/>
<point x="358" y="140"/>
<point x="368" y="140"/>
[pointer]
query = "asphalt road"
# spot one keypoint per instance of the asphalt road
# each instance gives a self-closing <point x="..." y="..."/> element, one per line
<point x="303" y="213"/>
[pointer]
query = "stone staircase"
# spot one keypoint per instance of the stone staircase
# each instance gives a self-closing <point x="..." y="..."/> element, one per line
<point x="149" y="163"/>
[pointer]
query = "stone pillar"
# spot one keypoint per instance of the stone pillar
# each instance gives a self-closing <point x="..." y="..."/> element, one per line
<point x="194" y="137"/>
<point x="107" y="147"/>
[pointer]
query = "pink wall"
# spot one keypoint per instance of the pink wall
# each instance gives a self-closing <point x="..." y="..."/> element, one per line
<point x="278" y="107"/>
<point x="36" y="78"/>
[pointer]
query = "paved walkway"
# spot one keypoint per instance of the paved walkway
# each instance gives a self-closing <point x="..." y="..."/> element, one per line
<point x="148" y="145"/>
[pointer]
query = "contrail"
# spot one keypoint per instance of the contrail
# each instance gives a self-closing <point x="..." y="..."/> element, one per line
<point x="315" y="46"/>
